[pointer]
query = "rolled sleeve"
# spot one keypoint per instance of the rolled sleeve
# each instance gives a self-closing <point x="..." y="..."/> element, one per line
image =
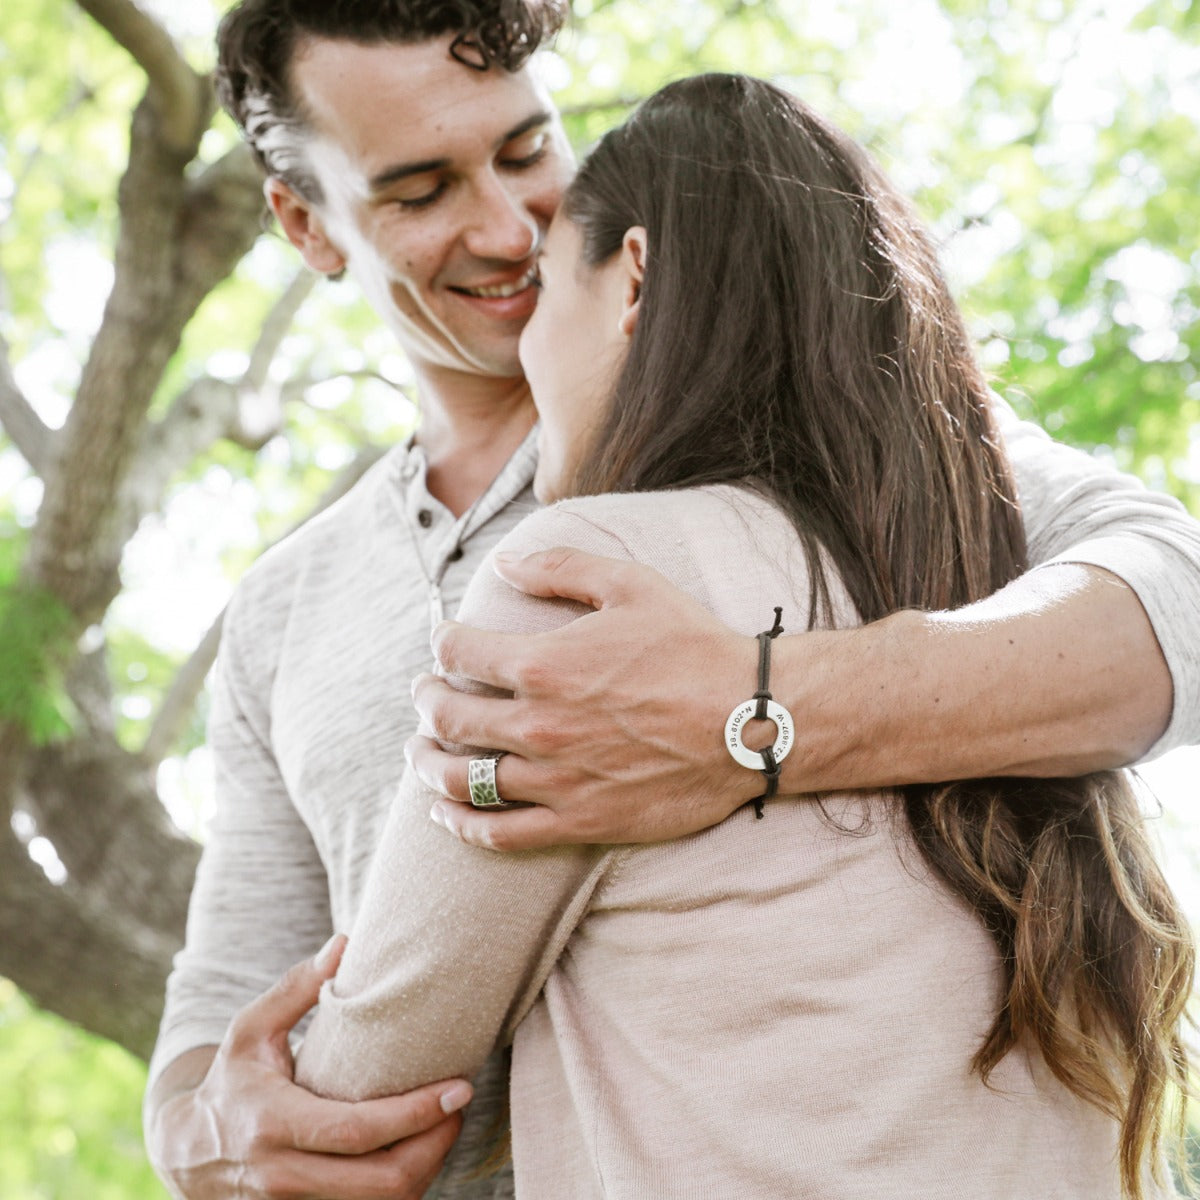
<point x="1078" y="509"/>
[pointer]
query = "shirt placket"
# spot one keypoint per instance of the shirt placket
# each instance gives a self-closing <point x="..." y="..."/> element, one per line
<point x="437" y="536"/>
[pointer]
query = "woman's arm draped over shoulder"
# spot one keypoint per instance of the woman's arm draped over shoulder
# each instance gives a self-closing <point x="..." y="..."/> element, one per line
<point x="452" y="943"/>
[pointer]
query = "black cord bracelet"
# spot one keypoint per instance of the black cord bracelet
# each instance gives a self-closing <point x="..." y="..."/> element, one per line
<point x="762" y="708"/>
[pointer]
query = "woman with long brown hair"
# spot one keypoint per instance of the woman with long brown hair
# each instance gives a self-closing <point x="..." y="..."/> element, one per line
<point x="752" y="376"/>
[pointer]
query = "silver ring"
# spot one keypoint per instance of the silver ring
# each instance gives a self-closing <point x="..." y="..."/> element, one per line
<point x="481" y="781"/>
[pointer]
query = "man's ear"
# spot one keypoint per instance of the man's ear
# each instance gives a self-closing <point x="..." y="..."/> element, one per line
<point x="633" y="262"/>
<point x="303" y="227"/>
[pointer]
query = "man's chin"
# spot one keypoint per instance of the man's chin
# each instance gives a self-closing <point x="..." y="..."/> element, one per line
<point x="437" y="354"/>
<point x="505" y="365"/>
<point x="497" y="356"/>
<point x="489" y="368"/>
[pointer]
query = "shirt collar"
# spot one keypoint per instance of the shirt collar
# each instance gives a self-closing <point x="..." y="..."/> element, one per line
<point x="408" y="473"/>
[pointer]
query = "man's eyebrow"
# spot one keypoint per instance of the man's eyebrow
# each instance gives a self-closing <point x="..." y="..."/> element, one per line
<point x="531" y="122"/>
<point x="390" y="175"/>
<point x="394" y="174"/>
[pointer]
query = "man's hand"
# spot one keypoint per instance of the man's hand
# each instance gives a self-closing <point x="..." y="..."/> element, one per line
<point x="615" y="730"/>
<point x="615" y="724"/>
<point x="230" y="1123"/>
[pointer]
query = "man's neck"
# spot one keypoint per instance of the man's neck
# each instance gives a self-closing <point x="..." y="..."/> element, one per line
<point x="470" y="427"/>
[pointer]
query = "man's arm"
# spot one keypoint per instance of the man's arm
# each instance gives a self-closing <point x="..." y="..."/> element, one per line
<point x="1072" y="667"/>
<point x="223" y="1116"/>
<point x="227" y="1121"/>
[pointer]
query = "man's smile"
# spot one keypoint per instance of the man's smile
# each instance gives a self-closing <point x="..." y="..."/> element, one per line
<point x="499" y="291"/>
<point x="502" y="300"/>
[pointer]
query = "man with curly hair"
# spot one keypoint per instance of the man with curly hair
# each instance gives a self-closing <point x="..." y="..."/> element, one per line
<point x="405" y="143"/>
<point x="408" y="143"/>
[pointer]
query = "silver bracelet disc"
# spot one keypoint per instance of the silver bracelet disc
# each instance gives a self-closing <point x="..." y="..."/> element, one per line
<point x="737" y="722"/>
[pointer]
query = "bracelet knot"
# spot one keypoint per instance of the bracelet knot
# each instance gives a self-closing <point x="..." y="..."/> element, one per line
<point x="762" y="707"/>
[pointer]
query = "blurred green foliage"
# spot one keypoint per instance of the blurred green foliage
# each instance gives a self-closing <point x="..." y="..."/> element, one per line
<point x="32" y="628"/>
<point x="70" y="1108"/>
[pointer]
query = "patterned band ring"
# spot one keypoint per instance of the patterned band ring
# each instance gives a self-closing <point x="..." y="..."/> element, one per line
<point x="481" y="780"/>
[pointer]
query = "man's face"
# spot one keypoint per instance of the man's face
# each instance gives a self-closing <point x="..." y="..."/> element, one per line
<point x="439" y="182"/>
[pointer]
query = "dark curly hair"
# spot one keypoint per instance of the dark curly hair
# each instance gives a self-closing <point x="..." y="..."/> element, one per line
<point x="257" y="41"/>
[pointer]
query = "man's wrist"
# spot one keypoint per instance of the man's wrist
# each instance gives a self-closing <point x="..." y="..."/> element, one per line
<point x="762" y="707"/>
<point x="848" y="698"/>
<point x="173" y="1090"/>
<point x="1058" y="673"/>
<point x="740" y="654"/>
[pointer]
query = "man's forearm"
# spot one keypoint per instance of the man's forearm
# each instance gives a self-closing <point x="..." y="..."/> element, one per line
<point x="1058" y="674"/>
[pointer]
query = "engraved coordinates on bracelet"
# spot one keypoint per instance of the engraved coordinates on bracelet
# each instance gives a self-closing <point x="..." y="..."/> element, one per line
<point x="783" y="739"/>
<point x="762" y="705"/>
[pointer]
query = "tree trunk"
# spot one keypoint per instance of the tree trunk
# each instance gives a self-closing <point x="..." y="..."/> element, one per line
<point x="96" y="945"/>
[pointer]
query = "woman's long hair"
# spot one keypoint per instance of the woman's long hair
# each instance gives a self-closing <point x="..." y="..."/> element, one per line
<point x="795" y="332"/>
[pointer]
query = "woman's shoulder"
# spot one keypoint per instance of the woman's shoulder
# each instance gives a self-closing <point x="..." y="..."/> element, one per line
<point x="639" y="524"/>
<point x="727" y="545"/>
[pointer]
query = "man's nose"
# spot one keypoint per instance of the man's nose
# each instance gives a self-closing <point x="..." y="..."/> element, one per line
<point x="502" y="225"/>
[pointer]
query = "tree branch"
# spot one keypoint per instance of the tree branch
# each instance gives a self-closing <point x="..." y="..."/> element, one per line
<point x="178" y="239"/>
<point x="597" y="106"/>
<point x="80" y="955"/>
<point x="177" y="705"/>
<point x="27" y="431"/>
<point x="176" y="708"/>
<point x="223" y="213"/>
<point x="294" y="389"/>
<point x="181" y="94"/>
<point x="275" y="327"/>
<point x="208" y="410"/>
<point x="98" y="805"/>
<point x="203" y="413"/>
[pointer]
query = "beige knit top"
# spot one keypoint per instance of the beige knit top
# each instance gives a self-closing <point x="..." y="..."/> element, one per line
<point x="779" y="1008"/>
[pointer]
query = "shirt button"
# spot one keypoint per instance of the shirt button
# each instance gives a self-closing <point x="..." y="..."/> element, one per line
<point x="425" y="518"/>
<point x="455" y="554"/>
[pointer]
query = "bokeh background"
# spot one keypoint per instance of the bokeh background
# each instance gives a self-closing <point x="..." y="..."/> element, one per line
<point x="224" y="394"/>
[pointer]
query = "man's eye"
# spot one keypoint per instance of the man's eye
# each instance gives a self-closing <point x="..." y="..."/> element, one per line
<point x="424" y="199"/>
<point x="526" y="151"/>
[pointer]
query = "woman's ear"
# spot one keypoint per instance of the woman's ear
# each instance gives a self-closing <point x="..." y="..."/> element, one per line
<point x="633" y="262"/>
<point x="303" y="227"/>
